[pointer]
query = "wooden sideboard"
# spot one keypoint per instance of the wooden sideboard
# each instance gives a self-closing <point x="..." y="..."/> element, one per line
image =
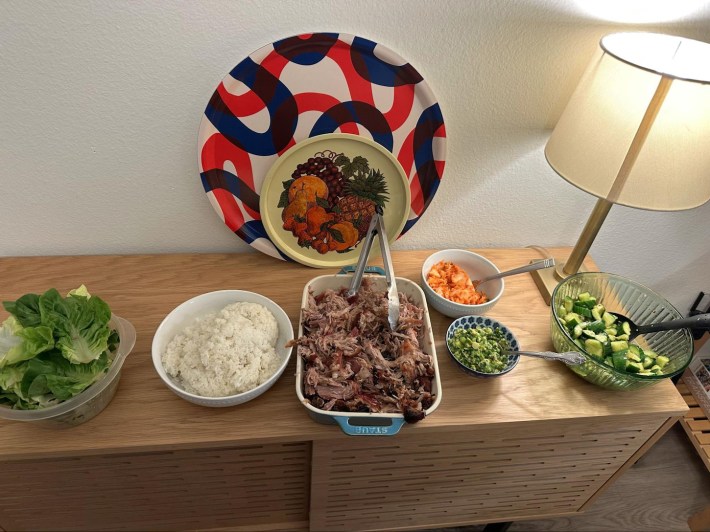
<point x="537" y="442"/>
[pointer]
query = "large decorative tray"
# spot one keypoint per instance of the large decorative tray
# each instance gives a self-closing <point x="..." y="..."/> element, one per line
<point x="309" y="85"/>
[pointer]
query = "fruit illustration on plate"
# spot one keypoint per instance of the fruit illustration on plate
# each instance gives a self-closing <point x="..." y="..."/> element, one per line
<point x="329" y="201"/>
<point x="362" y="195"/>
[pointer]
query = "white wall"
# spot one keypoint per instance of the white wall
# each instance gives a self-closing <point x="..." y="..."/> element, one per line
<point x="100" y="104"/>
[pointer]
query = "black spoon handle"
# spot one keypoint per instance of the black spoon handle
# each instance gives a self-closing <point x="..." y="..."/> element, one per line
<point x="700" y="321"/>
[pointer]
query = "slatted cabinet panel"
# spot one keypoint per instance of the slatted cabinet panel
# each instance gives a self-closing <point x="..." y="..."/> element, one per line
<point x="257" y="487"/>
<point x="468" y="477"/>
<point x="696" y="424"/>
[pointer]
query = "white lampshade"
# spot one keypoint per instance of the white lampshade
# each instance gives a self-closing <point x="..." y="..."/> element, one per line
<point x="637" y="129"/>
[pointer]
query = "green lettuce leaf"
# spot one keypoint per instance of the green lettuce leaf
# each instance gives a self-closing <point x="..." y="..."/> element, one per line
<point x="35" y="370"/>
<point x="25" y="309"/>
<point x="53" y="374"/>
<point x="75" y="378"/>
<point x="18" y="343"/>
<point x="38" y="387"/>
<point x="10" y="380"/>
<point x="81" y="291"/>
<point x="80" y="324"/>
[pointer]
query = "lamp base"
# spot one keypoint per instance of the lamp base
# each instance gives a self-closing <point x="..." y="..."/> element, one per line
<point x="548" y="278"/>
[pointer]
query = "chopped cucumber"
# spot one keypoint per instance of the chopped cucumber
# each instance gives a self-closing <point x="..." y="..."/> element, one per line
<point x="577" y="331"/>
<point x="568" y="303"/>
<point x="582" y="311"/>
<point x="633" y="356"/>
<point x="609" y="319"/>
<point x="573" y="319"/>
<point x="585" y="299"/>
<point x="662" y="361"/>
<point x="594" y="347"/>
<point x="619" y="345"/>
<point x="597" y="326"/>
<point x="619" y="360"/>
<point x="597" y="311"/>
<point x="636" y="349"/>
<point x="634" y="367"/>
<point x="607" y="349"/>
<point x="605" y="337"/>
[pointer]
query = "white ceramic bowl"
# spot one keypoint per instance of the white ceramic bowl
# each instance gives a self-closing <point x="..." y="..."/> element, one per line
<point x="186" y="313"/>
<point x="477" y="267"/>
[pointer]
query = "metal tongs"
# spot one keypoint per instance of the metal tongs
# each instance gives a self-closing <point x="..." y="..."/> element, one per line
<point x="377" y="227"/>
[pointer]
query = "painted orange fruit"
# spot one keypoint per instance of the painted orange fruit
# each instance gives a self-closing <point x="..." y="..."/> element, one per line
<point x="344" y="234"/>
<point x="316" y="217"/>
<point x="297" y="207"/>
<point x="313" y="187"/>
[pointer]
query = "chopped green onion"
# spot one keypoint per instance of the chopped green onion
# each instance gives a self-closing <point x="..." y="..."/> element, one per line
<point x="481" y="349"/>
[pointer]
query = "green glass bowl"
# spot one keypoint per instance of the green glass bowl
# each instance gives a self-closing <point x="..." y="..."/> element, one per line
<point x="643" y="306"/>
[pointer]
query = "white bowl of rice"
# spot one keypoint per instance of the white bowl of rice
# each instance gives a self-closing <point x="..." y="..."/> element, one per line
<point x="222" y="348"/>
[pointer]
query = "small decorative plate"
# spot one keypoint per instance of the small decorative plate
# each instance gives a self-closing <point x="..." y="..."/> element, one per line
<point x="317" y="201"/>
<point x="309" y="85"/>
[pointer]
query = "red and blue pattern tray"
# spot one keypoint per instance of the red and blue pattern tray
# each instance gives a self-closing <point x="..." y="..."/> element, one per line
<point x="309" y="85"/>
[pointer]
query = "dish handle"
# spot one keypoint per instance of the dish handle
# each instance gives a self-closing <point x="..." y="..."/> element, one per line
<point x="370" y="430"/>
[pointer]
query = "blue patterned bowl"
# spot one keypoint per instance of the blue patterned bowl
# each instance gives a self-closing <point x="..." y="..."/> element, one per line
<point x="474" y="322"/>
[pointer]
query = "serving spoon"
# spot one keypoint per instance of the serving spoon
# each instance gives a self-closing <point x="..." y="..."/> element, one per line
<point x="571" y="358"/>
<point x="700" y="321"/>
<point x="537" y="265"/>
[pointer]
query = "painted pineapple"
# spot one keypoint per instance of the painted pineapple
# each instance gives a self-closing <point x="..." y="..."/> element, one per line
<point x="363" y="193"/>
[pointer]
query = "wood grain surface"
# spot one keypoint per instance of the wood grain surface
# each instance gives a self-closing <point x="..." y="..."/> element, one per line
<point x="145" y="416"/>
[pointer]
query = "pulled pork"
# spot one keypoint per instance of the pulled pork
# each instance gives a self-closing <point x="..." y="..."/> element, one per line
<point x="353" y="362"/>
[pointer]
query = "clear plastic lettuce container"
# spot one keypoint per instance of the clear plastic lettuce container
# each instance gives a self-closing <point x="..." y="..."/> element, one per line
<point x="94" y="399"/>
<point x="643" y="306"/>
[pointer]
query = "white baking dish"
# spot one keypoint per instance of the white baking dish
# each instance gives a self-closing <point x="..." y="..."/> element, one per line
<point x="359" y="423"/>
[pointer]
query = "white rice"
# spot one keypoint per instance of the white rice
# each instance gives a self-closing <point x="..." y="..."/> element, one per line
<point x="226" y="352"/>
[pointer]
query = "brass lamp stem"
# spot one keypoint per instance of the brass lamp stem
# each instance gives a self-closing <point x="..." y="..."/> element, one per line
<point x="547" y="279"/>
<point x="589" y="233"/>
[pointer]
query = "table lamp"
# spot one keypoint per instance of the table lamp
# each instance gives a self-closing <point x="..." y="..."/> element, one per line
<point x="636" y="132"/>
